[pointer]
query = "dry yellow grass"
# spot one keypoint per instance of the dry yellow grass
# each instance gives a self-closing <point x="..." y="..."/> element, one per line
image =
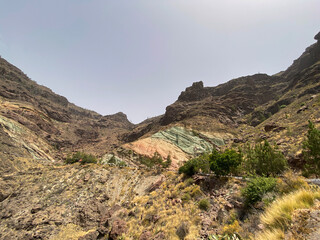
<point x="274" y="234"/>
<point x="279" y="214"/>
<point x="169" y="212"/>
<point x="70" y="232"/>
<point x="291" y="182"/>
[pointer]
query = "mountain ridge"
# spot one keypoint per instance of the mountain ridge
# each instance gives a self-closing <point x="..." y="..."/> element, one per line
<point x="134" y="191"/>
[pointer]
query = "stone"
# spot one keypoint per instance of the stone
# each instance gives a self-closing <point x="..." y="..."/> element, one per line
<point x="36" y="209"/>
<point x="146" y="235"/>
<point x="270" y="127"/>
<point x="90" y="236"/>
<point x="159" y="236"/>
<point x="118" y="228"/>
<point x="303" y="108"/>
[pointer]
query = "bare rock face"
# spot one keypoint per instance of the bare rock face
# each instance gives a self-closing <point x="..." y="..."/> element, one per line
<point x="118" y="228"/>
<point x="194" y="93"/>
<point x="226" y="102"/>
<point x="317" y="36"/>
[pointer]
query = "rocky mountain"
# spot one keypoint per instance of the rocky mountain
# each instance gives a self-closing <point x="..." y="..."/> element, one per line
<point x="135" y="192"/>
<point x="37" y="123"/>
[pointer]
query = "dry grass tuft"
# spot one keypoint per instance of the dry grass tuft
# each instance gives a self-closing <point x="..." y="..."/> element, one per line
<point x="278" y="215"/>
<point x="70" y="232"/>
<point x="274" y="234"/>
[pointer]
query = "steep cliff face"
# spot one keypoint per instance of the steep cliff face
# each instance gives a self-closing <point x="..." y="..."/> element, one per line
<point x="226" y="102"/>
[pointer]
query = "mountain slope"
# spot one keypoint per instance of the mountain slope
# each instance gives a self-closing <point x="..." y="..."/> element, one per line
<point x="42" y="198"/>
<point x="238" y="110"/>
<point x="46" y="124"/>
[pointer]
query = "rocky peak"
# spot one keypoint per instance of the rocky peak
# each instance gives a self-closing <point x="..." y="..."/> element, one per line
<point x="307" y="59"/>
<point x="196" y="85"/>
<point x="119" y="118"/>
<point x="194" y="93"/>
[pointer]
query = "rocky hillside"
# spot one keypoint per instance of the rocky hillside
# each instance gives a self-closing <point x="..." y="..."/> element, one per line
<point x="239" y="111"/>
<point x="37" y="123"/>
<point x="134" y="191"/>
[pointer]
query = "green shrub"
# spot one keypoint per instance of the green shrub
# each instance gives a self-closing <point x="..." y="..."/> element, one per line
<point x="183" y="230"/>
<point x="194" y="166"/>
<point x="186" y="197"/>
<point x="256" y="188"/>
<point x="264" y="160"/>
<point x="311" y="151"/>
<point x="226" y="162"/>
<point x="155" y="160"/>
<point x="204" y="204"/>
<point x="81" y="158"/>
<point x="167" y="163"/>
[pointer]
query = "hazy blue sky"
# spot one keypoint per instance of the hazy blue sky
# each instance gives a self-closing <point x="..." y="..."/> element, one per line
<point x="136" y="56"/>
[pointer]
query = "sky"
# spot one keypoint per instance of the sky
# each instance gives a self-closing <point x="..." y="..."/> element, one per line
<point x="136" y="56"/>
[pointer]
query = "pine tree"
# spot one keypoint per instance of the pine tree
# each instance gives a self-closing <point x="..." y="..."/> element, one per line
<point x="311" y="151"/>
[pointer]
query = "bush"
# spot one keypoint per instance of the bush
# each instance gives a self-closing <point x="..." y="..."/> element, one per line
<point x="204" y="204"/>
<point x="183" y="230"/>
<point x="256" y="188"/>
<point x="194" y="166"/>
<point x="155" y="160"/>
<point x="311" y="151"/>
<point x="264" y="160"/>
<point x="226" y="162"/>
<point x="81" y="158"/>
<point x="186" y="197"/>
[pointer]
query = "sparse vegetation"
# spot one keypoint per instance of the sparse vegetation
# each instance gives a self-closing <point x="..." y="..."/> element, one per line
<point x="155" y="160"/>
<point x="291" y="182"/>
<point x="81" y="157"/>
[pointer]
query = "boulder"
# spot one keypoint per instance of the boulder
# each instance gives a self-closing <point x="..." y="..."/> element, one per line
<point x="270" y="127"/>
<point x="118" y="228"/>
<point x="90" y="236"/>
<point x="303" y="108"/>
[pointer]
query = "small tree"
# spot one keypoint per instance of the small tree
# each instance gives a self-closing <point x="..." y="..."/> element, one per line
<point x="264" y="160"/>
<point x="226" y="162"/>
<point x="195" y="165"/>
<point x="311" y="151"/>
